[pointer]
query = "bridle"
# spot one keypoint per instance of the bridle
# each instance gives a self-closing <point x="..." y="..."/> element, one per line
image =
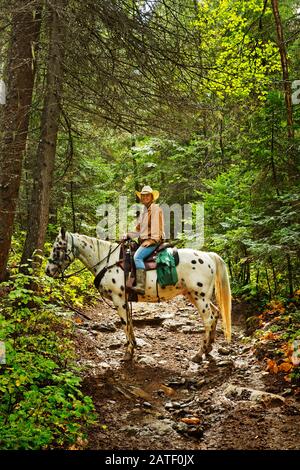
<point x="66" y="258"/>
<point x="74" y="252"/>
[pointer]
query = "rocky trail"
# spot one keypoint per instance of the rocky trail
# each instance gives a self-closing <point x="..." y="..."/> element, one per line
<point x="165" y="401"/>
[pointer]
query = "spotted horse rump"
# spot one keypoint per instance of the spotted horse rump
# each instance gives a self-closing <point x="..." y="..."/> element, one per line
<point x="199" y="274"/>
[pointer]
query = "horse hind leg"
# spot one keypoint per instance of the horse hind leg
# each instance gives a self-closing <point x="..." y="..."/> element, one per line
<point x="209" y="314"/>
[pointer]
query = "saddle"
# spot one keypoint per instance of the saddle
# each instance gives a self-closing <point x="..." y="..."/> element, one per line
<point x="126" y="262"/>
<point x="150" y="261"/>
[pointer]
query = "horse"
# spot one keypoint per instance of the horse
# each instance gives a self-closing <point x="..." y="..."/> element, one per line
<point x="199" y="273"/>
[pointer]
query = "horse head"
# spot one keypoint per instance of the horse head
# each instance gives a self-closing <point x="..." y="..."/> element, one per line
<point x="62" y="255"/>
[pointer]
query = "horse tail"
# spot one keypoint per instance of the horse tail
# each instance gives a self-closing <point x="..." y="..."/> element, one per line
<point x="223" y="294"/>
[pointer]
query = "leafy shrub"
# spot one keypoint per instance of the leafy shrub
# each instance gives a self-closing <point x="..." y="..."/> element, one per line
<point x="41" y="404"/>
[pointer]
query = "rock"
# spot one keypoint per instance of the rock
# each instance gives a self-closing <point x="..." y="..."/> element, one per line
<point x="246" y="349"/>
<point x="162" y="362"/>
<point x="160" y="336"/>
<point x="164" y="316"/>
<point x="224" y="363"/>
<point x="240" y="364"/>
<point x="150" y="334"/>
<point x="180" y="427"/>
<point x="193" y="368"/>
<point x="141" y="343"/>
<point x="187" y="403"/>
<point x="185" y="314"/>
<point x="119" y="353"/>
<point x="130" y="430"/>
<point x="146" y="404"/>
<point x="177" y="382"/>
<point x="173" y="325"/>
<point x="201" y="382"/>
<point x="115" y="345"/>
<point x="191" y="381"/>
<point x="168" y="391"/>
<point x="83" y="331"/>
<point x="168" y="405"/>
<point x="172" y="405"/>
<point x="162" y="427"/>
<point x="147" y="360"/>
<point x="224" y="351"/>
<point x="139" y="392"/>
<point x="191" y="421"/>
<point x="243" y="393"/>
<point x="104" y="365"/>
<point x="194" y="329"/>
<point x="104" y="327"/>
<point x="194" y="431"/>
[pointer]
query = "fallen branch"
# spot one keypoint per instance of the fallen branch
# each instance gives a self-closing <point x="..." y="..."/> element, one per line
<point x="66" y="304"/>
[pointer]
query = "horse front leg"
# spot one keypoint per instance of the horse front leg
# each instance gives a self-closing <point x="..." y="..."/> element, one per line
<point x="209" y="314"/>
<point x="127" y="325"/>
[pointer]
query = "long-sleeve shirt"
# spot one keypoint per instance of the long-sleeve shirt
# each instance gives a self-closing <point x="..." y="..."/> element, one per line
<point x="150" y="226"/>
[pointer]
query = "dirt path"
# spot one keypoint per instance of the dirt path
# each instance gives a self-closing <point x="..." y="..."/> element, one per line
<point x="164" y="401"/>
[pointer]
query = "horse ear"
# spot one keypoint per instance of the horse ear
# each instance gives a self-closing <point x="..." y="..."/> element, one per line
<point x="63" y="233"/>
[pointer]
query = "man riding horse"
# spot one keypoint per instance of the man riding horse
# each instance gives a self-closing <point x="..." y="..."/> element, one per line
<point x="149" y="230"/>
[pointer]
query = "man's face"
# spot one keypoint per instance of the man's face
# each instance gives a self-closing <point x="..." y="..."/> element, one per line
<point x="146" y="198"/>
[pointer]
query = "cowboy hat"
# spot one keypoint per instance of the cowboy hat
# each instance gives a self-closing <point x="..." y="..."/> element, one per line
<point x="148" y="190"/>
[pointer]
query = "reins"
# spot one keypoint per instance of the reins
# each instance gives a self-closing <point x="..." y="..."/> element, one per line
<point x="110" y="252"/>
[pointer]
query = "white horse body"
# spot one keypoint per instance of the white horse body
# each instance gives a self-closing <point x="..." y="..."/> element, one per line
<point x="198" y="273"/>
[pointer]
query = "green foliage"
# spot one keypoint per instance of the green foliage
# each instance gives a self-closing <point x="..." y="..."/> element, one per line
<point x="256" y="227"/>
<point x="75" y="290"/>
<point x="243" y="57"/>
<point x="42" y="405"/>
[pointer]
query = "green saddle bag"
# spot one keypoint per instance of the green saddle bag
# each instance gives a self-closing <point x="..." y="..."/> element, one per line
<point x="166" y="268"/>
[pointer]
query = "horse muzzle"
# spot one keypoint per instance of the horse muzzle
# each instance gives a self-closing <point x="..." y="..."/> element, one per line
<point x="52" y="270"/>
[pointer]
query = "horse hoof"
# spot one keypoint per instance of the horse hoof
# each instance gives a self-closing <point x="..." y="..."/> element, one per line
<point x="198" y="358"/>
<point x="127" y="357"/>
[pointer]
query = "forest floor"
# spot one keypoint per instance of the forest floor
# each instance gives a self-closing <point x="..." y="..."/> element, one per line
<point x="164" y="401"/>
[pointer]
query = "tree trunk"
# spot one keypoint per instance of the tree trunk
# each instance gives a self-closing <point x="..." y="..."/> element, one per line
<point x="45" y="157"/>
<point x="135" y="167"/>
<point x="201" y="67"/>
<point x="26" y="22"/>
<point x="290" y="275"/>
<point x="285" y="70"/>
<point x="257" y="284"/>
<point x="274" y="276"/>
<point x="73" y="206"/>
<point x="221" y="142"/>
<point x="272" y="156"/>
<point x="269" y="287"/>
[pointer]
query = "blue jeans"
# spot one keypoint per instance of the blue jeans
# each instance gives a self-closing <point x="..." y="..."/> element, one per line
<point x="141" y="253"/>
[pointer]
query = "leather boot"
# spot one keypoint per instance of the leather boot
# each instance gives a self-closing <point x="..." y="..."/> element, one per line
<point x="140" y="282"/>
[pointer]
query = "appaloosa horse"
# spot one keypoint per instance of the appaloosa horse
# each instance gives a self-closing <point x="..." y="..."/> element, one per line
<point x="198" y="274"/>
